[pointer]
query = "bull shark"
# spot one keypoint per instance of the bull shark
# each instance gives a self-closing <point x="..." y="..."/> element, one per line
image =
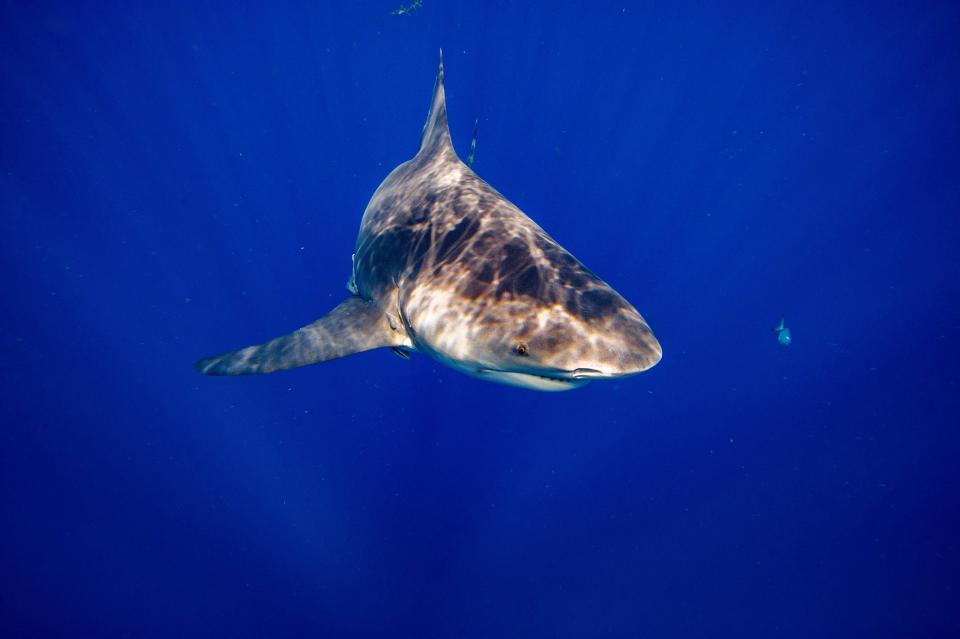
<point x="446" y="266"/>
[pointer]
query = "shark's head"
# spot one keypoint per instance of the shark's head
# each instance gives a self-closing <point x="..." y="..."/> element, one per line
<point x="593" y="333"/>
<point x="560" y="347"/>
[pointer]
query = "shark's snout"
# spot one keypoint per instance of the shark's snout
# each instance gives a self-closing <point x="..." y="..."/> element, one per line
<point x="570" y="353"/>
<point x="632" y="350"/>
<point x="618" y="344"/>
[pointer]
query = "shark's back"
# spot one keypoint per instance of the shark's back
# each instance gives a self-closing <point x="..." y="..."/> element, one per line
<point x="434" y="222"/>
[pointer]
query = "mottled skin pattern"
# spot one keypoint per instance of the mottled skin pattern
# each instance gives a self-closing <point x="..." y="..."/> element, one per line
<point x="447" y="266"/>
<point x="474" y="278"/>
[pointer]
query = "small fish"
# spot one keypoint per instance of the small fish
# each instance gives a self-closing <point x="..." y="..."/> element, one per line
<point x="783" y="333"/>
<point x="407" y="10"/>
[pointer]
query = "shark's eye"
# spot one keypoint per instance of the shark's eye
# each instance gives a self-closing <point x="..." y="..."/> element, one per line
<point x="520" y="349"/>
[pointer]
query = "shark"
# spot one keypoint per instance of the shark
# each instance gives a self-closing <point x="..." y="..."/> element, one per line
<point x="446" y="266"/>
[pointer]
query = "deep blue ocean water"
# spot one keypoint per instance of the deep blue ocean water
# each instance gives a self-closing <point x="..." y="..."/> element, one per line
<point x="181" y="180"/>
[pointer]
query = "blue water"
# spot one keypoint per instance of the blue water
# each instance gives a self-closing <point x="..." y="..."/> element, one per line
<point x="178" y="181"/>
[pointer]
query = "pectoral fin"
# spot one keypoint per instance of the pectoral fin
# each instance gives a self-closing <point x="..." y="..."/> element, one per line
<point x="354" y="326"/>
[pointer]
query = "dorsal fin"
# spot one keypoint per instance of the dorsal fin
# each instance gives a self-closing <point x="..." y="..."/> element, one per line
<point x="436" y="133"/>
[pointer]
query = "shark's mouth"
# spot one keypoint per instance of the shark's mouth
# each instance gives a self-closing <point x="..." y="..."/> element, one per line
<point x="563" y="380"/>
